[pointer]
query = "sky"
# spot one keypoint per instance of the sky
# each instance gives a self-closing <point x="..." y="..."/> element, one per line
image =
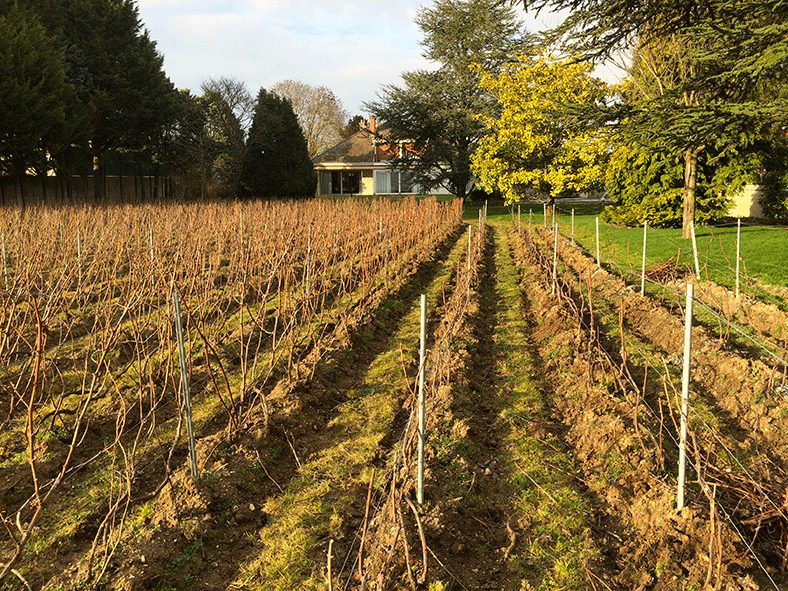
<point x="354" y="47"/>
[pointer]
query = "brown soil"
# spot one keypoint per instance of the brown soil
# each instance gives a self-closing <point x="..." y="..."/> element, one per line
<point x="216" y="526"/>
<point x="766" y="319"/>
<point x="664" y="550"/>
<point x="471" y="538"/>
<point x="745" y="389"/>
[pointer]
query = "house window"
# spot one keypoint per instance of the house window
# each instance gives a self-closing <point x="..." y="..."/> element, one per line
<point x="392" y="182"/>
<point x="386" y="182"/>
<point x="345" y="182"/>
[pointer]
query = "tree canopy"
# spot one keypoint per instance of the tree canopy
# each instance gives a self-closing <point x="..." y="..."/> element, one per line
<point x="319" y="112"/>
<point x="534" y="148"/>
<point x="437" y="111"/>
<point x="32" y="74"/>
<point x="698" y="72"/>
<point x="276" y="162"/>
<point x="116" y="95"/>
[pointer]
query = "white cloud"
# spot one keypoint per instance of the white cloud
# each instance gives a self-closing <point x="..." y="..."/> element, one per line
<point x="352" y="46"/>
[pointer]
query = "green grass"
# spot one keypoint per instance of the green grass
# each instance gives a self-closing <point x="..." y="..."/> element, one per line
<point x="764" y="249"/>
<point x="311" y="509"/>
<point x="557" y="547"/>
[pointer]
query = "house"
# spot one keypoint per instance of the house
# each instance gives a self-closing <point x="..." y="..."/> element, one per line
<point x="362" y="165"/>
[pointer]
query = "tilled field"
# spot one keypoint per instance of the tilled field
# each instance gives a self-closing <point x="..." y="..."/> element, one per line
<point x="551" y="423"/>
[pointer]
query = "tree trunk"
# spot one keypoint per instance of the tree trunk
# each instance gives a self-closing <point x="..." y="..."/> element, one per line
<point x="98" y="185"/>
<point x="690" y="184"/>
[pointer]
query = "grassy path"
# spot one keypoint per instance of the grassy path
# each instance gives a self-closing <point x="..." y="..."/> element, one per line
<point x="211" y="530"/>
<point x="322" y="498"/>
<point x="518" y="517"/>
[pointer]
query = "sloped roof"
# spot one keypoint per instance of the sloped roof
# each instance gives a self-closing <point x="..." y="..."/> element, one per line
<point x="357" y="148"/>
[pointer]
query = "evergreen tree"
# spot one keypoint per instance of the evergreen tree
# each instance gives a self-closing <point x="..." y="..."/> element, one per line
<point x="437" y="112"/>
<point x="276" y="162"/>
<point x="117" y="94"/>
<point x="31" y="94"/>
<point x="225" y="130"/>
<point x="719" y="54"/>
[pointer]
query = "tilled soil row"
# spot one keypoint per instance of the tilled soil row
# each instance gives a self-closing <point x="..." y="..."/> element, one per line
<point x="177" y="510"/>
<point x="391" y="527"/>
<point x="621" y="452"/>
<point x="746" y="389"/>
<point x="325" y="496"/>
<point x="744" y="452"/>
<point x="503" y="508"/>
<point x="458" y="536"/>
<point x="764" y="318"/>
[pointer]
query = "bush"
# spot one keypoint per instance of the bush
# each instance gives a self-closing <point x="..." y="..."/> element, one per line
<point x="774" y="182"/>
<point x="649" y="185"/>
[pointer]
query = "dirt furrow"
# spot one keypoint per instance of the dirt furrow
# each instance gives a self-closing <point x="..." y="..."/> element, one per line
<point x="325" y="498"/>
<point x="620" y="451"/>
<point x="181" y="502"/>
<point x="744" y="388"/>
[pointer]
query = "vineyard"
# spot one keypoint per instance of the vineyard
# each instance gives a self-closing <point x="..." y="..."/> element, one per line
<point x="551" y="389"/>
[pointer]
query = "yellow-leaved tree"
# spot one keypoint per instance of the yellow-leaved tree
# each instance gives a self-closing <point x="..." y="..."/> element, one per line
<point x="542" y="144"/>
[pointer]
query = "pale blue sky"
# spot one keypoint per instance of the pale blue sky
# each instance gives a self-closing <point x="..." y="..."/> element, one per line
<point x="352" y="46"/>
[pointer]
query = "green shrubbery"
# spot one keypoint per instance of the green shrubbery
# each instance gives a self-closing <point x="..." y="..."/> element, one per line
<point x="774" y="200"/>
<point x="647" y="185"/>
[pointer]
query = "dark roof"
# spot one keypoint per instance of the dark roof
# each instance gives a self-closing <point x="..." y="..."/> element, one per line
<point x="357" y="148"/>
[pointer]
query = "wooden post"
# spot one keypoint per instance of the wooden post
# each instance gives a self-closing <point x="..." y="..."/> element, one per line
<point x="738" y="254"/>
<point x="544" y="215"/>
<point x="552" y="216"/>
<point x="685" y="380"/>
<point x="531" y="216"/>
<point x="470" y="234"/>
<point x="598" y="258"/>
<point x="555" y="259"/>
<point x="643" y="263"/>
<point x="519" y="224"/>
<point x="695" y="250"/>
<point x="573" y="227"/>
<point x="422" y="405"/>
<point x="5" y="264"/>
<point x="187" y="401"/>
<point x="79" y="260"/>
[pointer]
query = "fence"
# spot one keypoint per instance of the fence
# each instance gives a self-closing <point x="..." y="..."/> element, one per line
<point x="127" y="188"/>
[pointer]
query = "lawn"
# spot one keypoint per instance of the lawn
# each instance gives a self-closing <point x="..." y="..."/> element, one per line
<point x="764" y="249"/>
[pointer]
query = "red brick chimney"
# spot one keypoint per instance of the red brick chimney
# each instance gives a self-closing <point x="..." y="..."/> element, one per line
<point x="373" y="124"/>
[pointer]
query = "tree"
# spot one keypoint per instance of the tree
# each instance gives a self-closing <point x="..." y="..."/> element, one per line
<point x="31" y="93"/>
<point x="276" y="162"/>
<point x="118" y="96"/>
<point x="353" y="124"/>
<point x="235" y="95"/>
<point x="229" y="113"/>
<point x="727" y="49"/>
<point x="186" y="147"/>
<point x="533" y="145"/>
<point x="437" y="112"/>
<point x="648" y="184"/>
<point x="319" y="112"/>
